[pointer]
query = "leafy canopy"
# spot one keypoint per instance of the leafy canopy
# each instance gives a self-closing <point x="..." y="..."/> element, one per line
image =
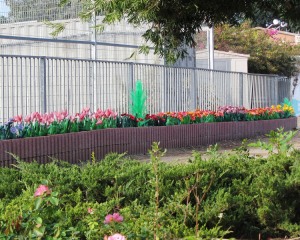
<point x="268" y="54"/>
<point x="287" y="11"/>
<point x="173" y="23"/>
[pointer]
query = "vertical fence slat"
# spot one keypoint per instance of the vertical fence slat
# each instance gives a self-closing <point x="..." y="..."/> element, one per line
<point x="43" y="84"/>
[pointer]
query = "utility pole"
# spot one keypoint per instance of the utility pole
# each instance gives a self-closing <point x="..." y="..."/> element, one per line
<point x="93" y="24"/>
<point x="210" y="36"/>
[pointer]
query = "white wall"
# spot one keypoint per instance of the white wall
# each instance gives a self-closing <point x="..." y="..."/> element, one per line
<point x="121" y="33"/>
<point x="224" y="61"/>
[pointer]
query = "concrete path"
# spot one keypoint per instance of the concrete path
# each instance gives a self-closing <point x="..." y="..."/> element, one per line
<point x="179" y="155"/>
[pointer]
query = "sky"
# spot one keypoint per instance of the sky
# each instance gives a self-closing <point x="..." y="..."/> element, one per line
<point x="3" y="9"/>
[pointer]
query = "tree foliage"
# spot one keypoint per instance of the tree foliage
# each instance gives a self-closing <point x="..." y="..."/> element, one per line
<point x="268" y="54"/>
<point x="265" y="19"/>
<point x="287" y="11"/>
<point x="173" y="23"/>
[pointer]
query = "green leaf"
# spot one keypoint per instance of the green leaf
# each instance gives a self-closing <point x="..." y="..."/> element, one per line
<point x="56" y="27"/>
<point x="54" y="194"/>
<point x="39" y="232"/>
<point x="38" y="202"/>
<point x="287" y="102"/>
<point x="99" y="28"/>
<point x="54" y="201"/>
<point x="45" y="182"/>
<point x="39" y="220"/>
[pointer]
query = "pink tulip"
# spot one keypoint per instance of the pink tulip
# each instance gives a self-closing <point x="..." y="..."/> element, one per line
<point x="27" y="119"/>
<point x="116" y="236"/>
<point x="50" y="120"/>
<point x="47" y="119"/>
<point x="114" y="114"/>
<point x="35" y="116"/>
<point x="99" y="122"/>
<point x="44" y="121"/>
<point x="18" y="118"/>
<point x="41" y="190"/>
<point x="64" y="113"/>
<point x="60" y="117"/>
<point x="99" y="113"/>
<point x="82" y="116"/>
<point x="108" y="112"/>
<point x="72" y="118"/>
<point x="86" y="110"/>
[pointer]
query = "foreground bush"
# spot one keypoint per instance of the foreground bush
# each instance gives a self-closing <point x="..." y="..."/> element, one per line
<point x="225" y="196"/>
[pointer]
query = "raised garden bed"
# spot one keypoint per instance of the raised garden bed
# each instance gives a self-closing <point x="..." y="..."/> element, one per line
<point x="78" y="147"/>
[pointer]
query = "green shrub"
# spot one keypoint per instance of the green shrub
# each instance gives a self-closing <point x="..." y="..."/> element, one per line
<point x="10" y="186"/>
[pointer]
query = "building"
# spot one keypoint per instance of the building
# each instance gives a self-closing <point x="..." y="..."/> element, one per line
<point x="224" y="61"/>
<point x="293" y="38"/>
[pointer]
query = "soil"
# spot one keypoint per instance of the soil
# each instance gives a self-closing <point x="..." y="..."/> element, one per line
<point x="180" y="155"/>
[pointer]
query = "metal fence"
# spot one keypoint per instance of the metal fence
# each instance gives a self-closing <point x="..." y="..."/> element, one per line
<point x="46" y="84"/>
<point x="37" y="10"/>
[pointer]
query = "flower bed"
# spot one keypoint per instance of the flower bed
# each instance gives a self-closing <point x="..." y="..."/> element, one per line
<point x="77" y="147"/>
<point x="74" y="138"/>
<point x="36" y="124"/>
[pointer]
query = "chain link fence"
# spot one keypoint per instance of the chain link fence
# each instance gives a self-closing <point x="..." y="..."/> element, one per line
<point x="13" y="11"/>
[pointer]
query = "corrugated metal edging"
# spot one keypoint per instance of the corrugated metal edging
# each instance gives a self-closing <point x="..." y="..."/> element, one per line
<point x="78" y="147"/>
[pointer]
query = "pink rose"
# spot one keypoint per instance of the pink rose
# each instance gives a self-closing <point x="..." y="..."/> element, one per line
<point x="116" y="236"/>
<point x="108" y="219"/>
<point x="90" y="211"/>
<point x="41" y="190"/>
<point x="116" y="217"/>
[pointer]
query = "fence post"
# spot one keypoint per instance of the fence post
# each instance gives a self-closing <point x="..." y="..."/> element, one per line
<point x="43" y="85"/>
<point x="94" y="57"/>
<point x="276" y="90"/>
<point x="241" y="89"/>
<point x="130" y="84"/>
<point x="94" y="84"/>
<point x="289" y="88"/>
<point x="193" y="90"/>
<point x="166" y="88"/>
